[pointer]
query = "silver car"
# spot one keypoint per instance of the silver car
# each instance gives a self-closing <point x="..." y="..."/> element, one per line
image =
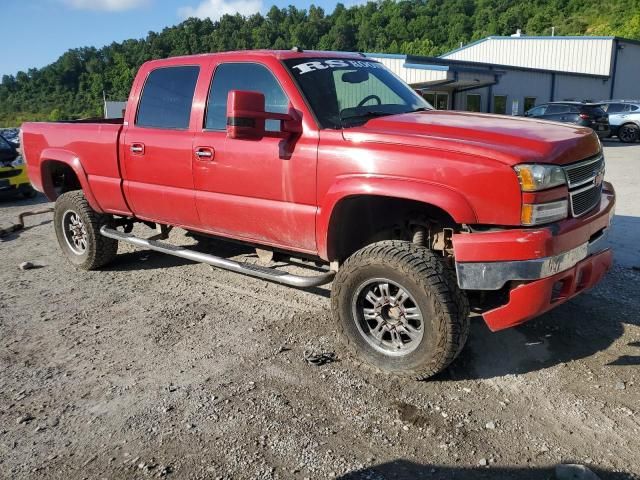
<point x="624" y="119"/>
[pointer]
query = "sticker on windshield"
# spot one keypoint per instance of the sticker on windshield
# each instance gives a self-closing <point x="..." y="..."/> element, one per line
<point x="324" y="64"/>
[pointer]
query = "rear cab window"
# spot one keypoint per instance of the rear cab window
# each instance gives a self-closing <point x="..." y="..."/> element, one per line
<point x="167" y="98"/>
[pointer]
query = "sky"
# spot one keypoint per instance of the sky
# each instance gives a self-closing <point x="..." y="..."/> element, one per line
<point x="35" y="33"/>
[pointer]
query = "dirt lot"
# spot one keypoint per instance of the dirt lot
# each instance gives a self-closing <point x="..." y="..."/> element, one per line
<point x="157" y="367"/>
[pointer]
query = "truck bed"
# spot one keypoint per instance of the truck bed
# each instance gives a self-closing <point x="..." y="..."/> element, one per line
<point x="89" y="147"/>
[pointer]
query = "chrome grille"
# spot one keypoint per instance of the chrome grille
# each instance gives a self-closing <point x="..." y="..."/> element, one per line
<point x="583" y="172"/>
<point x="585" y="184"/>
<point x="585" y="199"/>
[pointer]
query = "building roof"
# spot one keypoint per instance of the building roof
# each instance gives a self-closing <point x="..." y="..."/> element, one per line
<point x="583" y="55"/>
<point x="446" y="64"/>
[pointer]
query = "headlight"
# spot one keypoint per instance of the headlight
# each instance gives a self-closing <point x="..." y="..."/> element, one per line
<point x="18" y="162"/>
<point x="539" y="177"/>
<point x="539" y="213"/>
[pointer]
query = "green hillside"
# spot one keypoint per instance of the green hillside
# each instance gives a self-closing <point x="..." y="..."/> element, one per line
<point x="72" y="86"/>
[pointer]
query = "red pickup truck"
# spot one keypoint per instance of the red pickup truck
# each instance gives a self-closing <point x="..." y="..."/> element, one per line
<point x="417" y="214"/>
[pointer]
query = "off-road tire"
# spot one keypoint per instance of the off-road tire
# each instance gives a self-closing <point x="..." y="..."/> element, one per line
<point x="99" y="250"/>
<point x="430" y="281"/>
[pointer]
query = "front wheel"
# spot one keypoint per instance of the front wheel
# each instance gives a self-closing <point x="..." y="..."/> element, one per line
<point x="399" y="308"/>
<point x="77" y="227"/>
<point x="629" y="133"/>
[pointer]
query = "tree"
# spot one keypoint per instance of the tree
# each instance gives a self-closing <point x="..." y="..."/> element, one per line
<point x="73" y="85"/>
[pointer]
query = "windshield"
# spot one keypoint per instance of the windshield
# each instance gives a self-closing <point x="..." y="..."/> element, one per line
<point x="594" y="110"/>
<point x="343" y="92"/>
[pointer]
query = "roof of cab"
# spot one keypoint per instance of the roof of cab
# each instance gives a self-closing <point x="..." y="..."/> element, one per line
<point x="279" y="54"/>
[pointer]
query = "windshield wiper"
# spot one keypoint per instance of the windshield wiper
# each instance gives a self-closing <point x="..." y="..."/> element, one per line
<point x="368" y="113"/>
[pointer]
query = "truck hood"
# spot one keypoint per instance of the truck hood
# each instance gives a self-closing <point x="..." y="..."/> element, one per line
<point x="510" y="140"/>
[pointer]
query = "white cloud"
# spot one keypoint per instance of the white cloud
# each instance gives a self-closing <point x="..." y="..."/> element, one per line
<point x="214" y="9"/>
<point x="106" y="5"/>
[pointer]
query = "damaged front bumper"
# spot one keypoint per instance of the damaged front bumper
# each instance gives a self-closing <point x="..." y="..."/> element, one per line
<point x="494" y="275"/>
<point x="541" y="267"/>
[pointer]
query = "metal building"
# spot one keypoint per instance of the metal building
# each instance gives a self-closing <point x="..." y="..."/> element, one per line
<point x="509" y="75"/>
<point x="114" y="109"/>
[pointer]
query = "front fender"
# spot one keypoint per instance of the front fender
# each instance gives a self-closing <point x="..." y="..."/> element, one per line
<point x="50" y="155"/>
<point x="441" y="196"/>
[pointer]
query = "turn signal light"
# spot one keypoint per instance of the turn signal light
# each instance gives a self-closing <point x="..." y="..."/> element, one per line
<point x="540" y="213"/>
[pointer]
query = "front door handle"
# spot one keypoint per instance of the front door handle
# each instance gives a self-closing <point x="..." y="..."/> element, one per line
<point x="137" y="148"/>
<point x="204" y="153"/>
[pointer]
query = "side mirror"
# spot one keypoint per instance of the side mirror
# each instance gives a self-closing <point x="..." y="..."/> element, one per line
<point x="246" y="117"/>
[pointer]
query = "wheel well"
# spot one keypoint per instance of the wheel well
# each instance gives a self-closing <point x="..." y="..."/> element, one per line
<point x="360" y="220"/>
<point x="58" y="178"/>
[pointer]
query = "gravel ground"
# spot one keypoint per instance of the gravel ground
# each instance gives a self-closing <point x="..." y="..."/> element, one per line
<point x="158" y="367"/>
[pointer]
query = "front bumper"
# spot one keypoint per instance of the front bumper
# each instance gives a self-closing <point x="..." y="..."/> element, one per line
<point x="530" y="300"/>
<point x="543" y="267"/>
<point x="494" y="275"/>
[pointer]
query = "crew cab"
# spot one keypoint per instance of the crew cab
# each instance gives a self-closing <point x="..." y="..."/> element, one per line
<point x="417" y="214"/>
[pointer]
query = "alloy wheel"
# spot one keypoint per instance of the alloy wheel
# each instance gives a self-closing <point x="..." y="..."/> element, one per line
<point x="388" y="317"/>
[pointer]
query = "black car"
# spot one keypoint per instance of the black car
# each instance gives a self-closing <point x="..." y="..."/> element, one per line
<point x="8" y="152"/>
<point x="13" y="171"/>
<point x="579" y="113"/>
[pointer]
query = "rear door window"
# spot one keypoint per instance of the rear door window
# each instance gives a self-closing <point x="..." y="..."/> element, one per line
<point x="557" y="109"/>
<point x="615" y="107"/>
<point x="167" y="98"/>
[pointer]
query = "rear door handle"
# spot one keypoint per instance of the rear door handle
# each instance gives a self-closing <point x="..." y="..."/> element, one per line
<point x="137" y="148"/>
<point x="204" y="153"/>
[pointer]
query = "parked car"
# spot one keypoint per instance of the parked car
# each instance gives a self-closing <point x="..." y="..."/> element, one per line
<point x="624" y="118"/>
<point x="13" y="171"/>
<point x="414" y="212"/>
<point x="584" y="114"/>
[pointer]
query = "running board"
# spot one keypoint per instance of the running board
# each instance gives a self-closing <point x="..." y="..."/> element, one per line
<point x="238" y="267"/>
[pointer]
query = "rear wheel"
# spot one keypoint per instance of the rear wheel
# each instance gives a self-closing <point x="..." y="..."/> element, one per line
<point x="77" y="227"/>
<point x="399" y="308"/>
<point x="629" y="133"/>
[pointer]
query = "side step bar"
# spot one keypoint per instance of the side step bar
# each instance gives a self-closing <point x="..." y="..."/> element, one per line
<point x="219" y="262"/>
